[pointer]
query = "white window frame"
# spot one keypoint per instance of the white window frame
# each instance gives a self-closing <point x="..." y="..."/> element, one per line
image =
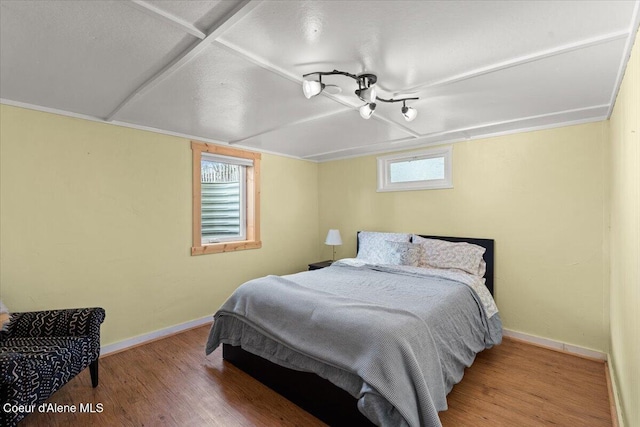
<point x="384" y="175"/>
<point x="243" y="195"/>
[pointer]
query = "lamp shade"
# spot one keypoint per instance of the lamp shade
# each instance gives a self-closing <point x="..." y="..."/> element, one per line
<point x="367" y="94"/>
<point x="311" y="88"/>
<point x="367" y="110"/>
<point x="409" y="113"/>
<point x="333" y="238"/>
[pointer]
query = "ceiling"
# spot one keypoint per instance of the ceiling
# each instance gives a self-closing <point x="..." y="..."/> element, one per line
<point x="231" y="71"/>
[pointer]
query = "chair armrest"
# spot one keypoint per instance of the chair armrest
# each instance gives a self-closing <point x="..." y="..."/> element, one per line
<point x="56" y="323"/>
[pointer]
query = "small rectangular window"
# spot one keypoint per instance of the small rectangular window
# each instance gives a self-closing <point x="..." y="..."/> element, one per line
<point x="223" y="199"/>
<point x="226" y="199"/>
<point x="422" y="170"/>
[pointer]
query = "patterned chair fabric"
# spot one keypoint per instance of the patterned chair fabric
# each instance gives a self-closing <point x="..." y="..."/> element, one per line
<point x="41" y="351"/>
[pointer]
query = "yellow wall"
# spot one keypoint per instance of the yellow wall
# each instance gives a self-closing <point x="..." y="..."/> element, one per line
<point x="624" y="140"/>
<point x="95" y="214"/>
<point x="540" y="195"/>
<point x="99" y="215"/>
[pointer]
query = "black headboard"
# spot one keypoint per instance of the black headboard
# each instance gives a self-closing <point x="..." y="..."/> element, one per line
<point x="488" y="244"/>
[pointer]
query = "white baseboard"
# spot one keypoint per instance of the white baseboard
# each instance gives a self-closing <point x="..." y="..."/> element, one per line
<point x="152" y="336"/>
<point x="556" y="345"/>
<point x="614" y="394"/>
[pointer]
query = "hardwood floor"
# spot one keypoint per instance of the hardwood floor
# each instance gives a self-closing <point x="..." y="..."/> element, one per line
<point x="170" y="382"/>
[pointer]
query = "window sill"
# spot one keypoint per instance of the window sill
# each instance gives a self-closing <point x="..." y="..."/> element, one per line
<point x="215" y="248"/>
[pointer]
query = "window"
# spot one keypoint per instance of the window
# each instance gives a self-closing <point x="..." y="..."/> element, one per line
<point x="420" y="170"/>
<point x="226" y="199"/>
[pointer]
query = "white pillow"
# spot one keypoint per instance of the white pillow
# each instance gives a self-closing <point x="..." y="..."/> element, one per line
<point x="403" y="253"/>
<point x="372" y="245"/>
<point x="442" y="254"/>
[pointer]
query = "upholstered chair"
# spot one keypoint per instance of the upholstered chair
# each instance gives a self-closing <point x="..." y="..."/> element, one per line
<point x="40" y="351"/>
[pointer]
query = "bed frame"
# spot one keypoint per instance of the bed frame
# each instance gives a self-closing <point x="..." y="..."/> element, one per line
<point x="316" y="395"/>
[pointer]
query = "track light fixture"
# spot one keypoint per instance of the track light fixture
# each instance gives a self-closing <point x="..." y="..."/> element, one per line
<point x="366" y="92"/>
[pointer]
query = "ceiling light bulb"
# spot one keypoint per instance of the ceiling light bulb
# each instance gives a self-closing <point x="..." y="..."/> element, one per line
<point x="311" y="88"/>
<point x="367" y="110"/>
<point x="409" y="113"/>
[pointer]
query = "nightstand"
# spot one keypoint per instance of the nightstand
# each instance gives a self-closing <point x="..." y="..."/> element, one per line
<point x="319" y="265"/>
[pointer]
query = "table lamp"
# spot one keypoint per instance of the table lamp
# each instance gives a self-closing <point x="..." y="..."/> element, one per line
<point x="333" y="239"/>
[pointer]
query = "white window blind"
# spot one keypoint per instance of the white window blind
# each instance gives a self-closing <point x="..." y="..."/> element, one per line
<point x="227" y="159"/>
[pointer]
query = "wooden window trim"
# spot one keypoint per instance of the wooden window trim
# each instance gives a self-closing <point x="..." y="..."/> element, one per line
<point x="252" y="240"/>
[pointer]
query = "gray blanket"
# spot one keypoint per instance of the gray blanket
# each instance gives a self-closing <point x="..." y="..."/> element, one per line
<point x="404" y="338"/>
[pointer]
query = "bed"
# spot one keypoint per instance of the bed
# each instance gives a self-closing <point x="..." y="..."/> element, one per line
<point x="376" y="340"/>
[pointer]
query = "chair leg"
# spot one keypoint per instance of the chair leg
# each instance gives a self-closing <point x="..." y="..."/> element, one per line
<point x="93" y="369"/>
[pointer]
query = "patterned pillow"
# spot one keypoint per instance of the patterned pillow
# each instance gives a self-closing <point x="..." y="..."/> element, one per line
<point x="482" y="269"/>
<point x="443" y="254"/>
<point x="372" y="245"/>
<point x="403" y="253"/>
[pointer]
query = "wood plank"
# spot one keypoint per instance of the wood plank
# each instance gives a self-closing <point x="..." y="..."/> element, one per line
<point x="170" y="382"/>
